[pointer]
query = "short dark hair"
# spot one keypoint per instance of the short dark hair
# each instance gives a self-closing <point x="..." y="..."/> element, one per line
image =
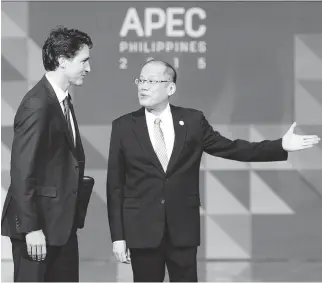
<point x="169" y="69"/>
<point x="64" y="42"/>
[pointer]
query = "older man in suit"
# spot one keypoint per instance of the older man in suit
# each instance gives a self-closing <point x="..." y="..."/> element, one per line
<point x="45" y="204"/>
<point x="153" y="177"/>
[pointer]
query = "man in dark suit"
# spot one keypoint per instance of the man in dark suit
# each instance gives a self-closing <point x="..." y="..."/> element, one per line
<point x="153" y="177"/>
<point x="42" y="211"/>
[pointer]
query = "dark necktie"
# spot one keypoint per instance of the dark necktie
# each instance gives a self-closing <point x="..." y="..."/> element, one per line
<point x="67" y="106"/>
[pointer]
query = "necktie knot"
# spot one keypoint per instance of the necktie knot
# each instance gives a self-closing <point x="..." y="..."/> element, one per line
<point x="66" y="101"/>
<point x="157" y="121"/>
<point x="66" y="107"/>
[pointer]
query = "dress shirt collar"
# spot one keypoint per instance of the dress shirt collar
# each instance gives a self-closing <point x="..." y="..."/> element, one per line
<point x="61" y="95"/>
<point x="165" y="116"/>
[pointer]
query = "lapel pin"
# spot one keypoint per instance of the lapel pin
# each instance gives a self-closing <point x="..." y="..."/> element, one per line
<point x="181" y="123"/>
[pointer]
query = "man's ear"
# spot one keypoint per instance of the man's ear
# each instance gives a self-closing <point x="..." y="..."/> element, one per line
<point x="172" y="88"/>
<point x="62" y="62"/>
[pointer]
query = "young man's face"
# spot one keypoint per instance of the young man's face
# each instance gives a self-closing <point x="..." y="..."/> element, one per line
<point x="77" y="68"/>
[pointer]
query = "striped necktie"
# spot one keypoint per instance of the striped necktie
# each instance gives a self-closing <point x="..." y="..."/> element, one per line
<point x="160" y="148"/>
<point x="66" y="103"/>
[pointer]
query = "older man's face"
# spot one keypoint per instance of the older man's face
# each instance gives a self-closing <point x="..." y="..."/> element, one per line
<point x="153" y="96"/>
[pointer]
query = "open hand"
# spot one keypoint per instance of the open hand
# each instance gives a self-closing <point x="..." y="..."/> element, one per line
<point x="293" y="142"/>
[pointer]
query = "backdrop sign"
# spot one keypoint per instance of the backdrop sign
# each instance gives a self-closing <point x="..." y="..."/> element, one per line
<point x="184" y="28"/>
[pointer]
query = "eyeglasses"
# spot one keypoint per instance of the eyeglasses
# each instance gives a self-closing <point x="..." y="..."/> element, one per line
<point x="152" y="82"/>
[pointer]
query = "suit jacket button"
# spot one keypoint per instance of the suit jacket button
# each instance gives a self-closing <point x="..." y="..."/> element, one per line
<point x="162" y="201"/>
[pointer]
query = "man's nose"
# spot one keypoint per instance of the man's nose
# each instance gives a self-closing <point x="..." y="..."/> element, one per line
<point x="87" y="67"/>
<point x="143" y="86"/>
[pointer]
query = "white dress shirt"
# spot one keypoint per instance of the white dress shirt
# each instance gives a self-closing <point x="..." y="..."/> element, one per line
<point x="61" y="95"/>
<point x="167" y="128"/>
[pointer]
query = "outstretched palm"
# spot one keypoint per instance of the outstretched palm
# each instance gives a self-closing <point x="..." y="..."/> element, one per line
<point x="293" y="142"/>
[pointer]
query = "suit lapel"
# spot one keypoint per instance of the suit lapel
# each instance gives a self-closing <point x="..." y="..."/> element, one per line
<point x="180" y="129"/>
<point x="141" y="131"/>
<point x="52" y="95"/>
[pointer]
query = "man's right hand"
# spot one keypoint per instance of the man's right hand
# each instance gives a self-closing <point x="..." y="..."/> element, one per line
<point x="120" y="251"/>
<point x="36" y="245"/>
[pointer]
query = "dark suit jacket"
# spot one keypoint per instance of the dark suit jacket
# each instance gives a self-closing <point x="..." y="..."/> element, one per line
<point x="46" y="169"/>
<point x="141" y="196"/>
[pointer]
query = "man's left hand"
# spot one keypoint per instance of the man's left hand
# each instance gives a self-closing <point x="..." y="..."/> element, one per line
<point x="294" y="142"/>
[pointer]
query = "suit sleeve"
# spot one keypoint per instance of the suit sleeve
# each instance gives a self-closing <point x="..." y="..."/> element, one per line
<point x="27" y="146"/>
<point x="241" y="150"/>
<point x="114" y="187"/>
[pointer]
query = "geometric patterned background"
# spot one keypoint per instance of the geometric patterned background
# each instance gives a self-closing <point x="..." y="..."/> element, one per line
<point x="251" y="212"/>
